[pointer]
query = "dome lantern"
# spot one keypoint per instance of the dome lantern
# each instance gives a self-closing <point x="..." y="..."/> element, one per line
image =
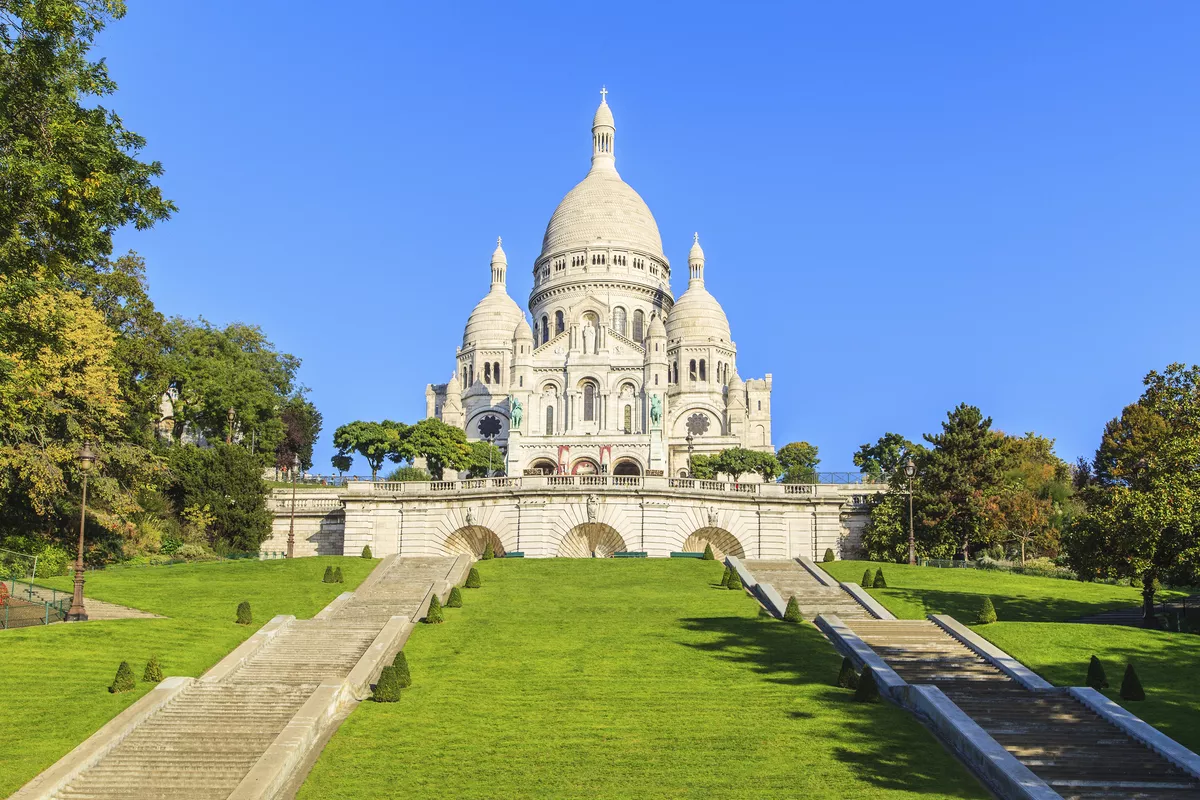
<point x="604" y="131"/>
<point x="695" y="261"/>
<point x="499" y="264"/>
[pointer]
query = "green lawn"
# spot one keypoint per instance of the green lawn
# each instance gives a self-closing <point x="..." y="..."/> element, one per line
<point x="1033" y="628"/>
<point x="626" y="678"/>
<point x="53" y="684"/>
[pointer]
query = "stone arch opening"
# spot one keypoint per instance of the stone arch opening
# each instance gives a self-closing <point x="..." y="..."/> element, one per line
<point x="585" y="466"/>
<point x="472" y="540"/>
<point x="591" y="540"/>
<point x="627" y="466"/>
<point x="722" y="541"/>
<point x="544" y="466"/>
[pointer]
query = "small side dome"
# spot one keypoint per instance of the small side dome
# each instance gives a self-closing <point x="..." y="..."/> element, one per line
<point x="656" y="330"/>
<point x="522" y="333"/>
<point x="496" y="316"/>
<point x="698" y="317"/>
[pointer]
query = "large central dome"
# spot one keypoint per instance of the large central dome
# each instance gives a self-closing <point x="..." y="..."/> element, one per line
<point x="602" y="209"/>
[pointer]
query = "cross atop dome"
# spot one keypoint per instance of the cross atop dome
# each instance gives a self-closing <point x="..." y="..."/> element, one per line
<point x="603" y="98"/>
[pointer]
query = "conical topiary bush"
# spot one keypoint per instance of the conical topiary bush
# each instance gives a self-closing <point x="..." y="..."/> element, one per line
<point x="735" y="580"/>
<point x="708" y="553"/>
<point x="867" y="691"/>
<point x="880" y="582"/>
<point x="868" y="578"/>
<point x="828" y="555"/>
<point x="489" y="552"/>
<point x="473" y="581"/>
<point x="1131" y="687"/>
<point x="337" y="575"/>
<point x="987" y="612"/>
<point x="123" y="681"/>
<point x="153" y="672"/>
<point x="725" y="576"/>
<point x="366" y="553"/>
<point x="434" y="615"/>
<point x="455" y="599"/>
<point x="1095" y="675"/>
<point x="792" y="614"/>
<point x="387" y="688"/>
<point x="244" y="617"/>
<point x="847" y="677"/>
<point x="328" y="576"/>
<point x="400" y="662"/>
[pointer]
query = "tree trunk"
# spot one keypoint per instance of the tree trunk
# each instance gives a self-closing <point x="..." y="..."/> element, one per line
<point x="1148" y="618"/>
<point x="967" y="547"/>
<point x="1022" y="552"/>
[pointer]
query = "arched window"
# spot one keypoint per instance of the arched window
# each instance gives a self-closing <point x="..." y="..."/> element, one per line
<point x="629" y="419"/>
<point x="639" y="322"/>
<point x="549" y="420"/>
<point x="692" y="369"/>
<point x="496" y="371"/>
<point x="589" y="402"/>
<point x="471" y="375"/>
<point x="487" y="372"/>
<point x="703" y="377"/>
<point x="619" y="321"/>
<point x="545" y="329"/>
<point x="558" y="323"/>
<point x="464" y="377"/>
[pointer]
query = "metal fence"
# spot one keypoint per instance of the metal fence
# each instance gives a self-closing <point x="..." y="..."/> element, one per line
<point x="27" y="604"/>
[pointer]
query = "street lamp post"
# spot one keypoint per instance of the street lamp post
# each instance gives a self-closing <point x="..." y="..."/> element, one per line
<point x="689" y="439"/>
<point x="910" y="469"/>
<point x="78" y="613"/>
<point x="229" y="433"/>
<point x="292" y="522"/>
<point x="489" y="439"/>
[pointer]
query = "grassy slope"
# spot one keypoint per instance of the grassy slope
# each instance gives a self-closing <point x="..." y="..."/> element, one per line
<point x="1033" y="613"/>
<point x="54" y="679"/>
<point x="625" y="678"/>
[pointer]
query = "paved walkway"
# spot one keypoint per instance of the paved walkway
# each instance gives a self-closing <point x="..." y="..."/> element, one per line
<point x="98" y="610"/>
<point x="205" y="740"/>
<point x="1132" y="616"/>
<point x="1076" y="752"/>
<point x="791" y="579"/>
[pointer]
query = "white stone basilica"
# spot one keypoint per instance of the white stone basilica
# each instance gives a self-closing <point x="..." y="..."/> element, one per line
<point x="616" y="375"/>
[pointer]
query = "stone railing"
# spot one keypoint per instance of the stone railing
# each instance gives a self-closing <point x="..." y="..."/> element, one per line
<point x="281" y="503"/>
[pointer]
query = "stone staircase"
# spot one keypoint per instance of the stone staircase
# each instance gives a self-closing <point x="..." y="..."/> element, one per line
<point x="791" y="579"/>
<point x="202" y="743"/>
<point x="1076" y="752"/>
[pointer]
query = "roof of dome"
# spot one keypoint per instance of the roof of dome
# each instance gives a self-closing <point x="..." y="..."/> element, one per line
<point x="493" y="320"/>
<point x="697" y="251"/>
<point x="604" y="115"/>
<point x="697" y="316"/>
<point x="523" y="332"/>
<point x="602" y="208"/>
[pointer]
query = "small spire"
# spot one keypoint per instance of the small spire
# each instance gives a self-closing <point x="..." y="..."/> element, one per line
<point x="604" y="131"/>
<point x="499" y="265"/>
<point x="696" y="261"/>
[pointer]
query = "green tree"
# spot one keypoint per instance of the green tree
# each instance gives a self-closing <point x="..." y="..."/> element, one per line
<point x="799" y="462"/>
<point x="442" y="446"/>
<point x="228" y="479"/>
<point x="374" y="441"/>
<point x="738" y="461"/>
<point x="301" y="427"/>
<point x="484" y="459"/>
<point x="700" y="466"/>
<point x="882" y="460"/>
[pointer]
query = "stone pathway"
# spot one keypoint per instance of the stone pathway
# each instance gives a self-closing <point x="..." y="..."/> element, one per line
<point x="1076" y="752"/>
<point x="1132" y="616"/>
<point x="98" y="610"/>
<point x="204" y="741"/>
<point x="791" y="579"/>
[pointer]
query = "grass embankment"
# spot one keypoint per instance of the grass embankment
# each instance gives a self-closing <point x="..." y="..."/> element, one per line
<point x="1034" y="628"/>
<point x="54" y="679"/>
<point x="614" y="678"/>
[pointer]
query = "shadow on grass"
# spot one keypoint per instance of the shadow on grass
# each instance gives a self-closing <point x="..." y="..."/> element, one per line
<point x="964" y="606"/>
<point x="883" y="744"/>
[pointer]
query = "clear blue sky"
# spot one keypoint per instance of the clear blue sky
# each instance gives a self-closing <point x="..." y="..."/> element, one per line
<point x="904" y="206"/>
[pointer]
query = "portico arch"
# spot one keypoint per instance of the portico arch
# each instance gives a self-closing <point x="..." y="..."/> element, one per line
<point x="591" y="540"/>
<point x="546" y="466"/>
<point x="723" y="543"/>
<point x="626" y="466"/>
<point x="472" y="540"/>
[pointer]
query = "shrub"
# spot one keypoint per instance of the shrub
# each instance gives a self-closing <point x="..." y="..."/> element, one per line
<point x="847" y="677"/>
<point x="867" y="691"/>
<point x="153" y="672"/>
<point x="708" y="553"/>
<point x="828" y="555"/>
<point x="473" y="581"/>
<point x="400" y="662"/>
<point x="1095" y="675"/>
<point x="434" y="615"/>
<point x="337" y="575"/>
<point x="3" y="594"/>
<point x="123" y="682"/>
<point x="489" y="552"/>
<point x="366" y="553"/>
<point x="244" y="617"/>
<point x="195" y="552"/>
<point x="1136" y="582"/>
<point x="1131" y="687"/>
<point x="879" y="583"/>
<point x="987" y="612"/>
<point x="792" y="614"/>
<point x="735" y="581"/>
<point x="455" y="599"/>
<point x="387" y="688"/>
<point x="328" y="577"/>
<point x="868" y="578"/>
<point x="725" y="576"/>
